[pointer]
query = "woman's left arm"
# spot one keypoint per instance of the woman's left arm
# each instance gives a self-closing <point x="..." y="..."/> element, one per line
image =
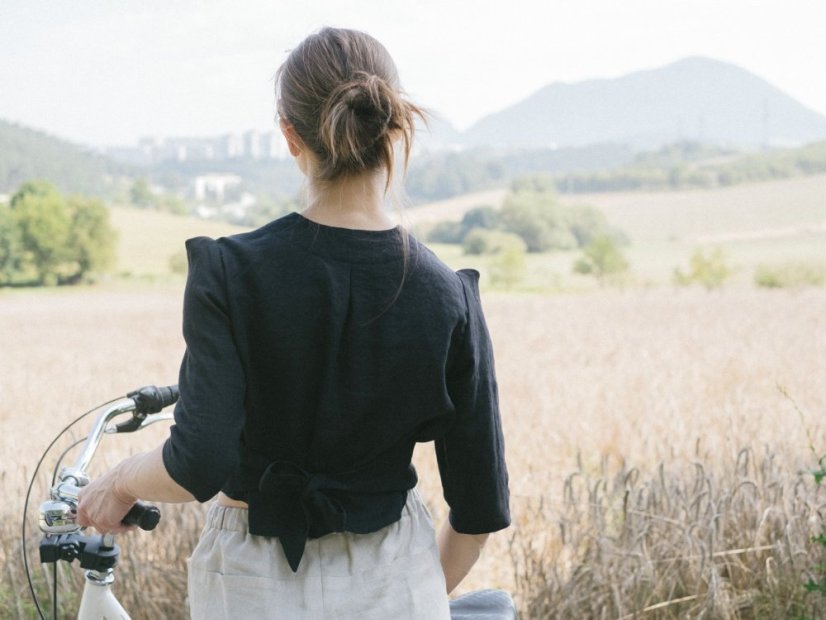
<point x="105" y="501"/>
<point x="203" y="444"/>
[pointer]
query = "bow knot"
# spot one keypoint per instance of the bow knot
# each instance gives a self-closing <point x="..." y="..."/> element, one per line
<point x="306" y="509"/>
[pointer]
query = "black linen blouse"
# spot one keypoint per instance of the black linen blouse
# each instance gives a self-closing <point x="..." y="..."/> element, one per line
<point x="316" y="358"/>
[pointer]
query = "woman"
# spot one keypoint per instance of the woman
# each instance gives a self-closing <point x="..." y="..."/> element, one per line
<point x="320" y="349"/>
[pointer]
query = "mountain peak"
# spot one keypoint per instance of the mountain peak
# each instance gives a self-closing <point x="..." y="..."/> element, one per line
<point x="693" y="98"/>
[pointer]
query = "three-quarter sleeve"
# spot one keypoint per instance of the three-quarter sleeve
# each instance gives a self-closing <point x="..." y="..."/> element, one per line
<point x="471" y="455"/>
<point x="203" y="447"/>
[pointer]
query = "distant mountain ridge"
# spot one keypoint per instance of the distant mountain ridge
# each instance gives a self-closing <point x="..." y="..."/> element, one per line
<point x="697" y="98"/>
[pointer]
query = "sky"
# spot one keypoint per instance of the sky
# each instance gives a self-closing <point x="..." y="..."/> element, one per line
<point x="108" y="72"/>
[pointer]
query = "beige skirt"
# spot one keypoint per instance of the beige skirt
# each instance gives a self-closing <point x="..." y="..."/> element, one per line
<point x="392" y="573"/>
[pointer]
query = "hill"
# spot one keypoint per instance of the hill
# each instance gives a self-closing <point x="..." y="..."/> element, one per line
<point x="30" y="154"/>
<point x="692" y="99"/>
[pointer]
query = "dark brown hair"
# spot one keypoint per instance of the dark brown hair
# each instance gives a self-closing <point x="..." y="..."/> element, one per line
<point x="340" y="90"/>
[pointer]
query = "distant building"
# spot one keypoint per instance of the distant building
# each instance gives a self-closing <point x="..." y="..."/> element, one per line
<point x="253" y="144"/>
<point x="215" y="186"/>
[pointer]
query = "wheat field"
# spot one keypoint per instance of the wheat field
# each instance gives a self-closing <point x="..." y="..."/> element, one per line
<point x="658" y="444"/>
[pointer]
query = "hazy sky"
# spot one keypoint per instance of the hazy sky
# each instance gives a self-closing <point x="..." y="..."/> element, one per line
<point x="107" y="72"/>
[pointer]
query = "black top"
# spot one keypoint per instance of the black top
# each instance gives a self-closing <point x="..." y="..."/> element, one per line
<point x="316" y="358"/>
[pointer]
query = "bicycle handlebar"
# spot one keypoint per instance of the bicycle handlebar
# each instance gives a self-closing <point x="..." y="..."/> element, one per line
<point x="145" y="516"/>
<point x="145" y="405"/>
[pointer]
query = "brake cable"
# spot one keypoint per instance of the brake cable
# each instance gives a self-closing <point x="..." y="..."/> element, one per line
<point x="26" y="508"/>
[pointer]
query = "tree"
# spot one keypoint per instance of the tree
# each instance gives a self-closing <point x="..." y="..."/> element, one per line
<point x="141" y="194"/>
<point x="47" y="239"/>
<point x="11" y="246"/>
<point x="92" y="239"/>
<point x="481" y="217"/>
<point x="538" y="219"/>
<point x="44" y="224"/>
<point x="587" y="223"/>
<point x="602" y="259"/>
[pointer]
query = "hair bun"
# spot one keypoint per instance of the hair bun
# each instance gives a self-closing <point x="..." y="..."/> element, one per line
<point x="355" y="116"/>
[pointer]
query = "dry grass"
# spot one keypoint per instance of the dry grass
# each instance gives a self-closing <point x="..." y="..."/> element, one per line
<point x="626" y="418"/>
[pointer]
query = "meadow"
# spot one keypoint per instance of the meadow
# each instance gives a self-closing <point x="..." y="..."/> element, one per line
<point x="660" y="441"/>
<point x="770" y="223"/>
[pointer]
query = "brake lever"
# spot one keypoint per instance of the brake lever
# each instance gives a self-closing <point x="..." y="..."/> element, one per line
<point x="131" y="425"/>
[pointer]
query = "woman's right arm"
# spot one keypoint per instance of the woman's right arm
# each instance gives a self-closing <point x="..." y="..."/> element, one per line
<point x="471" y="454"/>
<point x="458" y="553"/>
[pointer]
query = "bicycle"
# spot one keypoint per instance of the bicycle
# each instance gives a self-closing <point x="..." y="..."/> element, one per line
<point x="63" y="540"/>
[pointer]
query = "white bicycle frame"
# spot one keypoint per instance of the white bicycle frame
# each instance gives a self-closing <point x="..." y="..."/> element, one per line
<point x="98" y="602"/>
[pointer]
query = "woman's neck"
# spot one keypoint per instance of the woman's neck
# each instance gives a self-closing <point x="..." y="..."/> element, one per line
<point x="352" y="202"/>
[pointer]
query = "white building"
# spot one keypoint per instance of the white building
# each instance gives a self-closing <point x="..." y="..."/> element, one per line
<point x="215" y="186"/>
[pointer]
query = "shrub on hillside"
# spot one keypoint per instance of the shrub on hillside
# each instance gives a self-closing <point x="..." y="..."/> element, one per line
<point x="710" y="269"/>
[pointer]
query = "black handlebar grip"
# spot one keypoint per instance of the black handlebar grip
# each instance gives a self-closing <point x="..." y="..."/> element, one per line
<point x="145" y="516"/>
<point x="151" y="399"/>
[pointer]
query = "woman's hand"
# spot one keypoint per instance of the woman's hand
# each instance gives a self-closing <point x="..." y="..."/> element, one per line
<point x="103" y="504"/>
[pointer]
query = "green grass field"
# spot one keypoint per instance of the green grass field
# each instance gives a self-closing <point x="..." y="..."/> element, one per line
<point x="149" y="239"/>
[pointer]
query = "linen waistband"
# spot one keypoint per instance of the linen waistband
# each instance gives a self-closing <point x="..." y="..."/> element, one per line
<point x="233" y="519"/>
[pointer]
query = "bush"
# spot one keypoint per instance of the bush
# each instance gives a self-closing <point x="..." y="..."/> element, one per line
<point x="710" y="269"/>
<point x="602" y="259"/>
<point x="507" y="269"/>
<point x="790" y="275"/>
